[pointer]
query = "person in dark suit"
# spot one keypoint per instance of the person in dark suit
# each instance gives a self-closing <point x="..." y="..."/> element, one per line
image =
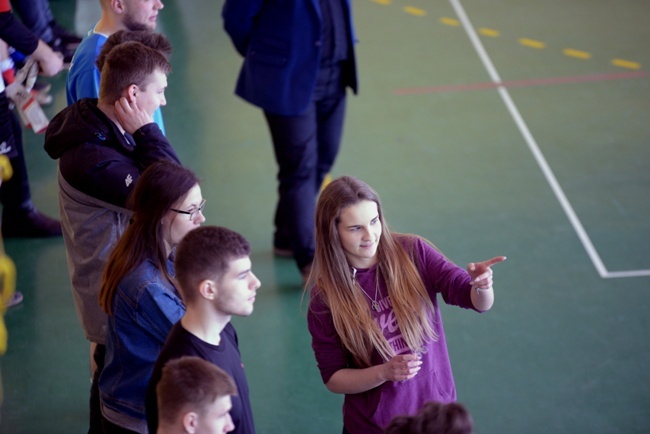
<point x="298" y="61"/>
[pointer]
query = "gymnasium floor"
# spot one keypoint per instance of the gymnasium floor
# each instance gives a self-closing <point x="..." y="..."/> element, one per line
<point x="550" y="168"/>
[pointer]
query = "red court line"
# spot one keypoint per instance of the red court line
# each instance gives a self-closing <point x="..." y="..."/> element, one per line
<point x="521" y="83"/>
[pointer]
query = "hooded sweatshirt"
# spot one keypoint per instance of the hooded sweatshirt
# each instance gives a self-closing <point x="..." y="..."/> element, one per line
<point x="98" y="168"/>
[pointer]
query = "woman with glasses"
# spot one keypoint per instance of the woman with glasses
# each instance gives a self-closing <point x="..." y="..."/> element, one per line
<point x="138" y="290"/>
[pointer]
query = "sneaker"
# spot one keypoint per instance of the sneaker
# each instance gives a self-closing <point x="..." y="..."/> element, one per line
<point x="16" y="299"/>
<point x="29" y="224"/>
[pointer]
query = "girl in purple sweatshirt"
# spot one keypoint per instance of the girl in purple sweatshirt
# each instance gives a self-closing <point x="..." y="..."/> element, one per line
<point x="373" y="314"/>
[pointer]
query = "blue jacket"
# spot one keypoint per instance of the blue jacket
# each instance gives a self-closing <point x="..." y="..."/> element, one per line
<point x="280" y="42"/>
<point x="145" y="307"/>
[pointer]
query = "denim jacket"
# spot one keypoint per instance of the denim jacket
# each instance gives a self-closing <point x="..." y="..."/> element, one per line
<point x="145" y="307"/>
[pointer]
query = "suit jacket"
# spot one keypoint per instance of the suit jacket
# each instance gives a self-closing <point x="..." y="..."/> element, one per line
<point x="281" y="44"/>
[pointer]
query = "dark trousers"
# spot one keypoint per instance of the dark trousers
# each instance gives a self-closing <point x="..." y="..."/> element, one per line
<point x="14" y="193"/>
<point x="96" y="419"/>
<point x="111" y="428"/>
<point x="305" y="148"/>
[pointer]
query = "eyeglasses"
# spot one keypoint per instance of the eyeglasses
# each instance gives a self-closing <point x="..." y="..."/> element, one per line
<point x="194" y="213"/>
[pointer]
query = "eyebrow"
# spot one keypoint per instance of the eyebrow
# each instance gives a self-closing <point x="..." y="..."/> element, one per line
<point x="357" y="225"/>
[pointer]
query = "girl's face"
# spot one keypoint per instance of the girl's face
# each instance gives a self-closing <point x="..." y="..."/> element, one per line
<point x="360" y="230"/>
<point x="176" y="224"/>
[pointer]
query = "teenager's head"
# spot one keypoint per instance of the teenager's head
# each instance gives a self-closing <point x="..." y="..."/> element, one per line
<point x="154" y="40"/>
<point x="349" y="224"/>
<point x="213" y="263"/>
<point x="133" y="14"/>
<point x="434" y="417"/>
<point x="166" y="204"/>
<point x="136" y="72"/>
<point x="194" y="397"/>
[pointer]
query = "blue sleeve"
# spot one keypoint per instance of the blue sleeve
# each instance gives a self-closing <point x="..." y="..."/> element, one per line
<point x="158" y="119"/>
<point x="158" y="310"/>
<point x="238" y="18"/>
<point x="83" y="77"/>
<point x="84" y="84"/>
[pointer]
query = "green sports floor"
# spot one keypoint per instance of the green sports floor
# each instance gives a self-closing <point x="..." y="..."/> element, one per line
<point x="551" y="167"/>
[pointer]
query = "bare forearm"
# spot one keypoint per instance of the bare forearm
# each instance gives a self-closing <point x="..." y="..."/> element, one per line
<point x="351" y="381"/>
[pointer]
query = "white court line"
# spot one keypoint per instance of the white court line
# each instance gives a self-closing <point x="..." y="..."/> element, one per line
<point x="541" y="161"/>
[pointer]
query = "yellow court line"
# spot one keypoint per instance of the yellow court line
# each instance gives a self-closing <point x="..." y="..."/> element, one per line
<point x="578" y="54"/>
<point x="626" y="64"/>
<point x="532" y="43"/>
<point x="415" y="11"/>
<point x="489" y="32"/>
<point x="450" y="21"/>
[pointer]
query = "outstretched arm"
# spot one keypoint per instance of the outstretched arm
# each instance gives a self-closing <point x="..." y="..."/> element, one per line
<point x="481" y="274"/>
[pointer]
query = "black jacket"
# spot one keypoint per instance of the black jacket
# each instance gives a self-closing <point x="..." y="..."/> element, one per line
<point x="96" y="158"/>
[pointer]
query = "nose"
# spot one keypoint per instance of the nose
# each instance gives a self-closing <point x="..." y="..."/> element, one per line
<point x="229" y="424"/>
<point x="163" y="100"/>
<point x="255" y="284"/>
<point x="159" y="5"/>
<point x="200" y="217"/>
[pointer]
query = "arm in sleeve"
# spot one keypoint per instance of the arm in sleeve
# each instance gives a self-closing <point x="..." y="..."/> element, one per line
<point x="15" y="33"/>
<point x="238" y="18"/>
<point x="158" y="310"/>
<point x="440" y="275"/>
<point x="84" y="84"/>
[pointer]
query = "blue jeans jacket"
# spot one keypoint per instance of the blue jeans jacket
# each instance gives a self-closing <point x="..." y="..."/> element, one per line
<point x="145" y="307"/>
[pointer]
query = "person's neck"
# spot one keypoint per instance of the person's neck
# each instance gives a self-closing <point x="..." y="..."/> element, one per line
<point x="205" y="323"/>
<point x="108" y="24"/>
<point x="109" y="111"/>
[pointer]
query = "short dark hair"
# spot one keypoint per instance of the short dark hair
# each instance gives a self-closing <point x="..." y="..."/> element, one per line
<point x="154" y="40"/>
<point x="434" y="417"/>
<point x="129" y="63"/>
<point x="190" y="382"/>
<point x="205" y="253"/>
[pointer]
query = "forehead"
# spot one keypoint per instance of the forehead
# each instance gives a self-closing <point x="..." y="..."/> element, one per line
<point x="359" y="212"/>
<point x="239" y="265"/>
<point x="220" y="406"/>
<point x="156" y="80"/>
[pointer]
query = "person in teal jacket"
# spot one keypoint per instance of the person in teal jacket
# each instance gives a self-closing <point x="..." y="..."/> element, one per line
<point x="298" y="61"/>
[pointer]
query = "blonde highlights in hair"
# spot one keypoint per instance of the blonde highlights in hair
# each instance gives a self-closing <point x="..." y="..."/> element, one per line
<point x="333" y="279"/>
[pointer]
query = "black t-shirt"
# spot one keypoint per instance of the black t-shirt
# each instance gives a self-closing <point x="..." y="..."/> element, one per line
<point x="226" y="355"/>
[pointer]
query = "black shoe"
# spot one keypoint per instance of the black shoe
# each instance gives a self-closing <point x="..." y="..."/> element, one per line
<point x="29" y="224"/>
<point x="66" y="39"/>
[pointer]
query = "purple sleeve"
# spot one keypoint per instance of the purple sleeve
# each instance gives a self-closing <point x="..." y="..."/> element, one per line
<point x="443" y="276"/>
<point x="325" y="341"/>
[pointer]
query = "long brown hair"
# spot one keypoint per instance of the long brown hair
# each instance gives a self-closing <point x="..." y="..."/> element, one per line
<point x="160" y="187"/>
<point x="332" y="278"/>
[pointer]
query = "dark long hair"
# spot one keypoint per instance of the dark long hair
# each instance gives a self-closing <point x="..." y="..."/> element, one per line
<point x="160" y="187"/>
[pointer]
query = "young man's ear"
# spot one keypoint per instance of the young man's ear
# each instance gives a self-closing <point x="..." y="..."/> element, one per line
<point x="117" y="6"/>
<point x="208" y="289"/>
<point x="190" y="422"/>
<point x="130" y="93"/>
